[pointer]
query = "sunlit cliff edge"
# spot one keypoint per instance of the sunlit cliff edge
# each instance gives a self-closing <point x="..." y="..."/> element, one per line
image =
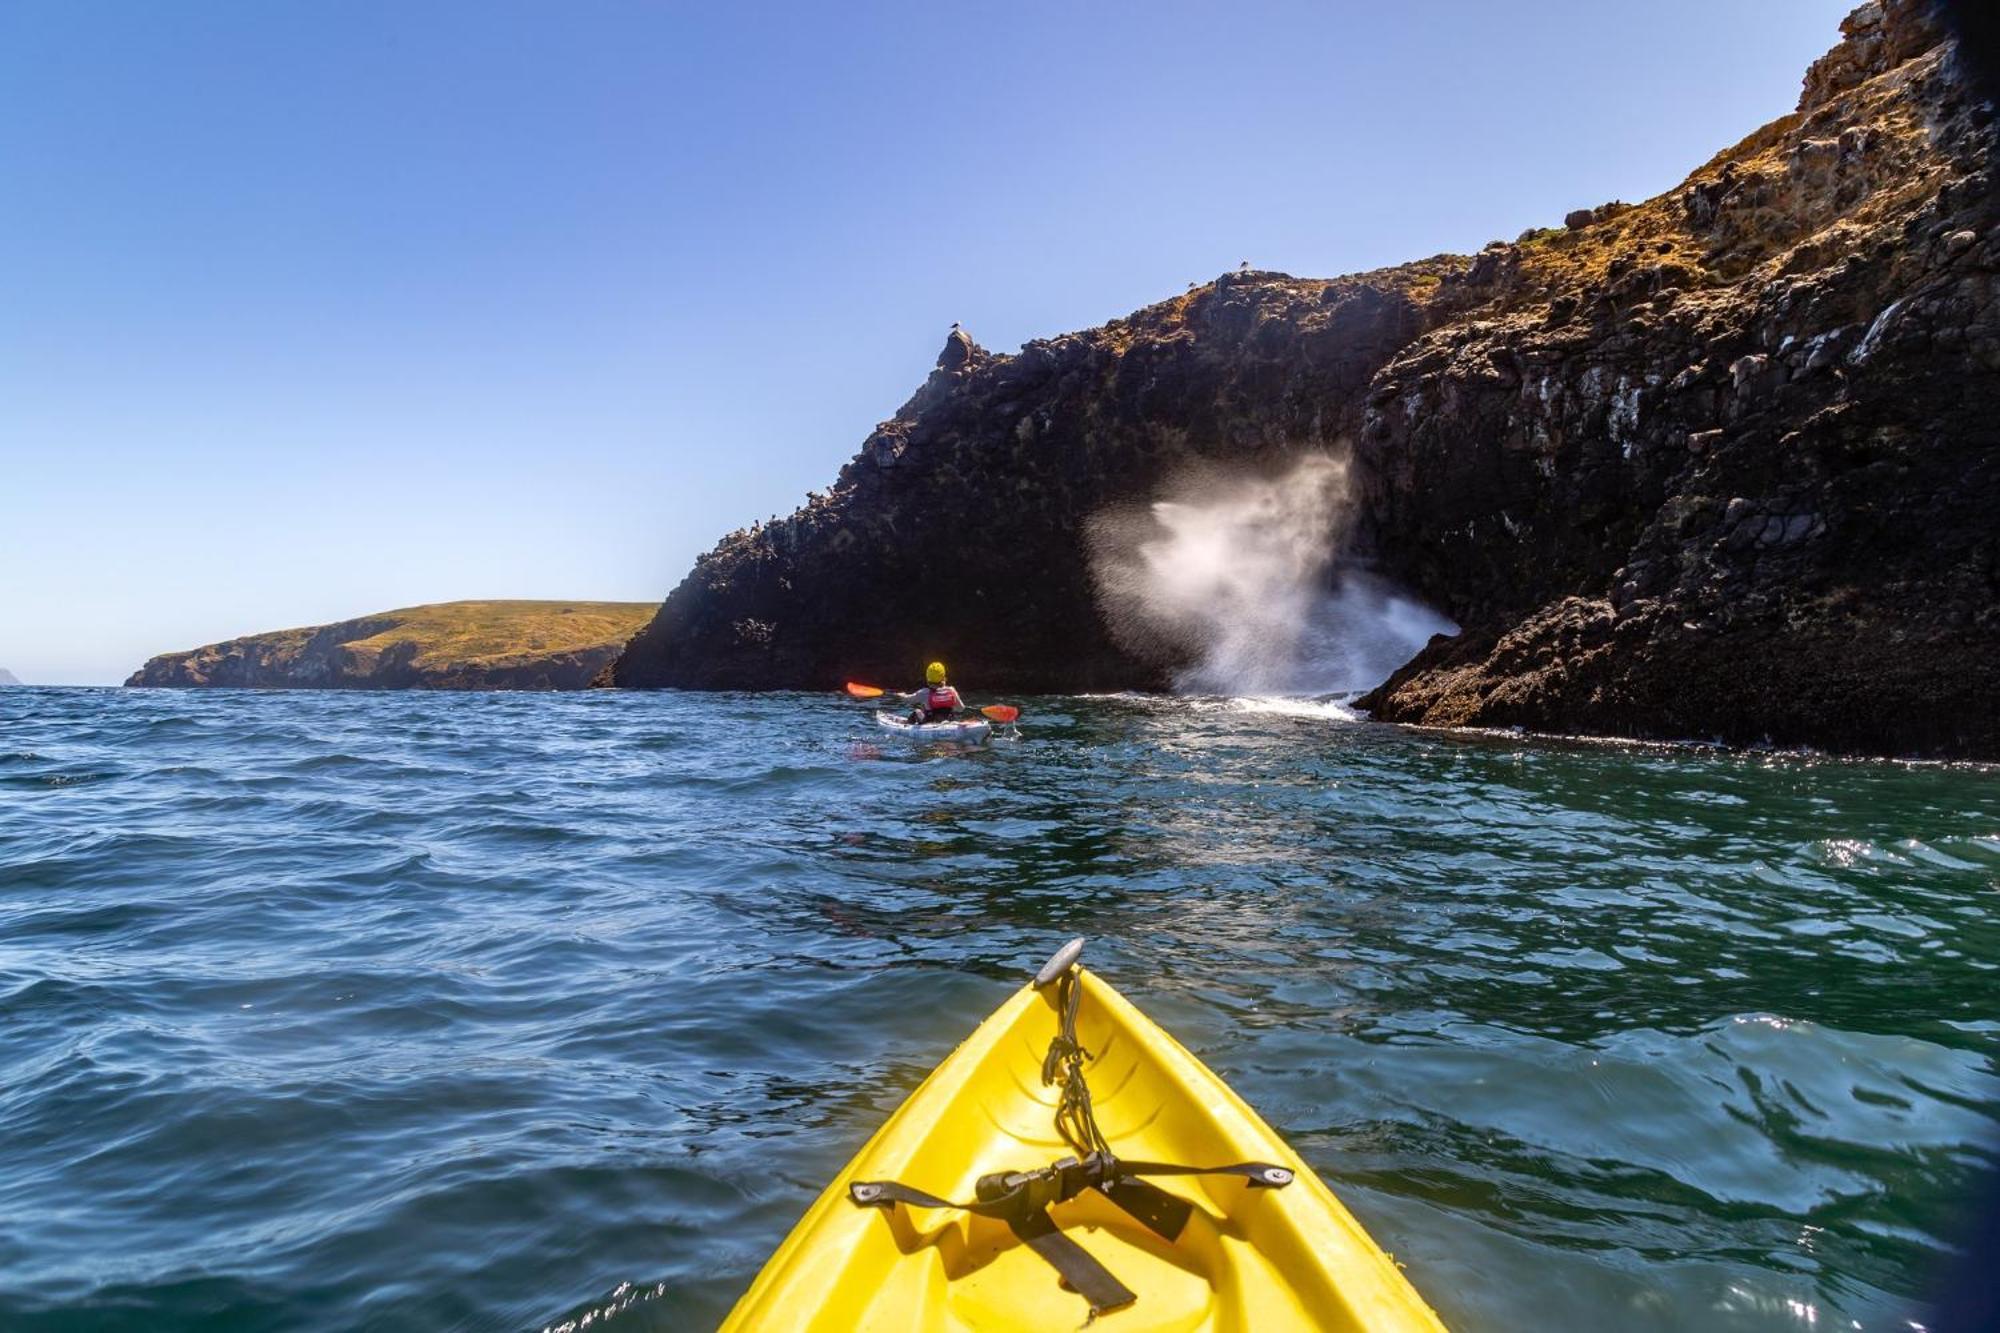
<point x="1719" y="464"/>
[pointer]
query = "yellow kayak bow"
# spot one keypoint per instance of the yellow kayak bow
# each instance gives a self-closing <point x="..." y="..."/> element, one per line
<point x="1071" y="1160"/>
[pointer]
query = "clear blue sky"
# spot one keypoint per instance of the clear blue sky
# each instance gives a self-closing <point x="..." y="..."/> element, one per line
<point x="310" y="310"/>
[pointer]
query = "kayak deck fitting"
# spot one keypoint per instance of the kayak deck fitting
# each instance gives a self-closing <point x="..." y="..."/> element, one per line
<point x="970" y="1207"/>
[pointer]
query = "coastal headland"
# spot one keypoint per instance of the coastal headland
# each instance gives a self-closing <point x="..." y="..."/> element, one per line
<point x="472" y="645"/>
<point x="1716" y="465"/>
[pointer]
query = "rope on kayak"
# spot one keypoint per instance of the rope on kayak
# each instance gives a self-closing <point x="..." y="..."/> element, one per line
<point x="1076" y="1118"/>
<point x="1022" y="1199"/>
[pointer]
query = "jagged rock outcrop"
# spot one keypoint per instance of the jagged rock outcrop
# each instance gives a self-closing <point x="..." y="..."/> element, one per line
<point x="505" y="645"/>
<point x="958" y="529"/>
<point x="1722" y="463"/>
<point x="1742" y="480"/>
<point x="8" y="678"/>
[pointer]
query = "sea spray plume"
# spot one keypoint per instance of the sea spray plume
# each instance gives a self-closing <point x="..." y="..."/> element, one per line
<point x="1238" y="585"/>
<point x="1218" y="578"/>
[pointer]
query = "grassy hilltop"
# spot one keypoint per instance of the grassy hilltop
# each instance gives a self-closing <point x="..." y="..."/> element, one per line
<point x="478" y="645"/>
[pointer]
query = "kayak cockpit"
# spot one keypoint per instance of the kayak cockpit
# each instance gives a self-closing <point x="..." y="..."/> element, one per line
<point x="962" y="731"/>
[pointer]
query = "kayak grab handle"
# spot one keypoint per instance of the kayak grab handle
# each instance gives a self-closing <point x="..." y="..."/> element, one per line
<point x="1064" y="959"/>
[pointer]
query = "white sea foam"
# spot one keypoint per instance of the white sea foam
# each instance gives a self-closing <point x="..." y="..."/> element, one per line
<point x="1328" y="710"/>
<point x="1239" y="583"/>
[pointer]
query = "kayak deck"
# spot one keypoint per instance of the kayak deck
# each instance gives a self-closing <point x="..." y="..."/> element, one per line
<point x="970" y="731"/>
<point x="1248" y="1258"/>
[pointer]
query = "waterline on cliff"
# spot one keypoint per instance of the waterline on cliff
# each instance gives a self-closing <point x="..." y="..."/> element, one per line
<point x="1239" y="584"/>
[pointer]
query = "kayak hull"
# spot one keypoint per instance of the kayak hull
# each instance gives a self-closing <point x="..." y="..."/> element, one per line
<point x="1254" y="1259"/>
<point x="969" y="731"/>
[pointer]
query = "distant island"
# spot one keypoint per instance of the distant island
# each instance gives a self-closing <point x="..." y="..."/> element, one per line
<point x="506" y="645"/>
<point x="8" y="678"/>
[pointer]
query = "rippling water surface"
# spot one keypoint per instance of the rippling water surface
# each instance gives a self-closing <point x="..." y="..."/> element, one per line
<point x="487" y="1011"/>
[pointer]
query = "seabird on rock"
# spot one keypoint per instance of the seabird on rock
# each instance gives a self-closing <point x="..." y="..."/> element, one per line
<point x="958" y="349"/>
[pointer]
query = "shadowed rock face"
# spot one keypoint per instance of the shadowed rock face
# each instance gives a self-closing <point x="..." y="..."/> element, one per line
<point x="1719" y="464"/>
<point x="1745" y="486"/>
<point x="958" y="531"/>
<point x="505" y="645"/>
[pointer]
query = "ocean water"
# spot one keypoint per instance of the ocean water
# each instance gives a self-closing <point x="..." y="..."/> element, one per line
<point x="488" y="1011"/>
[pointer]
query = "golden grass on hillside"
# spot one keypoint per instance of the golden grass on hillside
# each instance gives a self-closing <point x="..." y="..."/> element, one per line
<point x="468" y="632"/>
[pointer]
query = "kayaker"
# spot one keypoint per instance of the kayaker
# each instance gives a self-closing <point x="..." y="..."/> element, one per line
<point x="935" y="702"/>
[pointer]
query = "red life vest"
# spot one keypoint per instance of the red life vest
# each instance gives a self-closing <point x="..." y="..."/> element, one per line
<point x="943" y="699"/>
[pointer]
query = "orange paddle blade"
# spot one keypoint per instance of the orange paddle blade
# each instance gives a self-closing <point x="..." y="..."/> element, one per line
<point x="864" y="691"/>
<point x="1001" y="712"/>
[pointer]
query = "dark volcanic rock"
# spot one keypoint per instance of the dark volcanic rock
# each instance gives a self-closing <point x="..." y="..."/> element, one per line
<point x="958" y="531"/>
<point x="1755" y="498"/>
<point x="1721" y="464"/>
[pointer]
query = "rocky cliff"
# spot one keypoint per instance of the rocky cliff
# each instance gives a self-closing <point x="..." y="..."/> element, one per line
<point x="1719" y="464"/>
<point x="445" y="646"/>
<point x="8" y="678"/>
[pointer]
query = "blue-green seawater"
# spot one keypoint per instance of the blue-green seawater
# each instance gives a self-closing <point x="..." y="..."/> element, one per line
<point x="487" y="1011"/>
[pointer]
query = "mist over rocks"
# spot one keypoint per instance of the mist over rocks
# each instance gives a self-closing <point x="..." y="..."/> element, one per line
<point x="960" y="529"/>
<point x="1720" y="464"/>
<point x="1241" y="584"/>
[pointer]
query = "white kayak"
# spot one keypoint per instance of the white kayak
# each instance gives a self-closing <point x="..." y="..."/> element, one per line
<point x="967" y="731"/>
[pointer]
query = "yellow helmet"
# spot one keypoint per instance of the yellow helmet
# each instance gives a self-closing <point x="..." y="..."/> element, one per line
<point x="934" y="673"/>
